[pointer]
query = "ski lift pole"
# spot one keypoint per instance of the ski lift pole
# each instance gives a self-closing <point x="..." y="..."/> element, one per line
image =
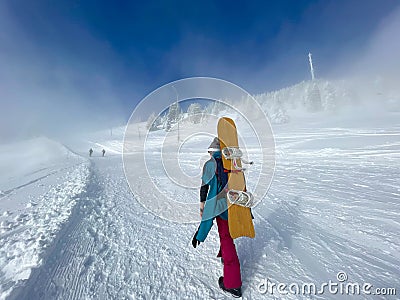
<point x="178" y="130"/>
<point x="176" y="92"/>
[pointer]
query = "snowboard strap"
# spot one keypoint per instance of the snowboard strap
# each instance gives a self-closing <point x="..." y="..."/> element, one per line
<point x="232" y="171"/>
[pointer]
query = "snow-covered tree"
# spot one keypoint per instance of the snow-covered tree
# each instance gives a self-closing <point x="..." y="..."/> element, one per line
<point x="216" y="107"/>
<point x="173" y="115"/>
<point x="330" y="97"/>
<point x="195" y="113"/>
<point x="313" y="98"/>
<point x="152" y="122"/>
<point x="349" y="96"/>
<point x="278" y="112"/>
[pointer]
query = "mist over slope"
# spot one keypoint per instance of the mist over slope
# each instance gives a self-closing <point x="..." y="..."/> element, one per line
<point x="333" y="97"/>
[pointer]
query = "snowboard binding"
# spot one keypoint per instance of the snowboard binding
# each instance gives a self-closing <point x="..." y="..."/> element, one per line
<point x="241" y="198"/>
<point x="234" y="153"/>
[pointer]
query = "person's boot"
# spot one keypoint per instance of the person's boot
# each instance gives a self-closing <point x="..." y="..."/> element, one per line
<point x="237" y="293"/>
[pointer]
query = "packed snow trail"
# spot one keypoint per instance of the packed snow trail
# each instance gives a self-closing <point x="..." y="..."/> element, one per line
<point x="112" y="248"/>
<point x="41" y="185"/>
<point x="66" y="255"/>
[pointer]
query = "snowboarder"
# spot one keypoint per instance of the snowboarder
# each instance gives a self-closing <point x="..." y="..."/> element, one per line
<point x="104" y="152"/>
<point x="213" y="205"/>
<point x="90" y="151"/>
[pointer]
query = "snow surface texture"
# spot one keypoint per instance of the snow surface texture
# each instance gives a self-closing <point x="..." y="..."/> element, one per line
<point x="40" y="187"/>
<point x="72" y="229"/>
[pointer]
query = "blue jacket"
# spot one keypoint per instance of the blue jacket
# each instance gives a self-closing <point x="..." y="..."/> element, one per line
<point x="213" y="207"/>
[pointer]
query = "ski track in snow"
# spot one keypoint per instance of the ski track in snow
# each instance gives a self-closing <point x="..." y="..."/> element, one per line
<point x="322" y="215"/>
<point x="112" y="248"/>
<point x="26" y="237"/>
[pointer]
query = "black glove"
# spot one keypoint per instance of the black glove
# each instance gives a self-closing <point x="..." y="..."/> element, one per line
<point x="195" y="242"/>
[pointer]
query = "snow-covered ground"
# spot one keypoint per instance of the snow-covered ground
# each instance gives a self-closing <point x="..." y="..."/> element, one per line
<point x="41" y="183"/>
<point x="72" y="229"/>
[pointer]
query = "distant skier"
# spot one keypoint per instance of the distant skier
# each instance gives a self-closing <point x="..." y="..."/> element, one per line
<point x="214" y="205"/>
<point x="90" y="151"/>
<point x="104" y="152"/>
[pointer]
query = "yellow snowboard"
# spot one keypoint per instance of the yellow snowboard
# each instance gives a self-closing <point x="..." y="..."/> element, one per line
<point x="239" y="217"/>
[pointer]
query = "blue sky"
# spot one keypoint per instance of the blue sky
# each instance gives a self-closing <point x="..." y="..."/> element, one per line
<point x="112" y="53"/>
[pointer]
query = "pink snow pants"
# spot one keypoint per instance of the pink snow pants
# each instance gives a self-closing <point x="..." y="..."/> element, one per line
<point x="232" y="278"/>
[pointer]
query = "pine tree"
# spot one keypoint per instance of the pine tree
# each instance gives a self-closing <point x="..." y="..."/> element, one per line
<point x="173" y="116"/>
<point x="277" y="112"/>
<point x="151" y="122"/>
<point x="313" y="98"/>
<point x="330" y="98"/>
<point x="217" y="107"/>
<point x="195" y="113"/>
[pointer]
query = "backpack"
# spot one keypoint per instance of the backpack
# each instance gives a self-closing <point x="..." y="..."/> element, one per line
<point x="222" y="175"/>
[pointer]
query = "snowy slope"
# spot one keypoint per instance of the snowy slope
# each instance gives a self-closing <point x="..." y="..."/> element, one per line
<point x="40" y="181"/>
<point x="333" y="206"/>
